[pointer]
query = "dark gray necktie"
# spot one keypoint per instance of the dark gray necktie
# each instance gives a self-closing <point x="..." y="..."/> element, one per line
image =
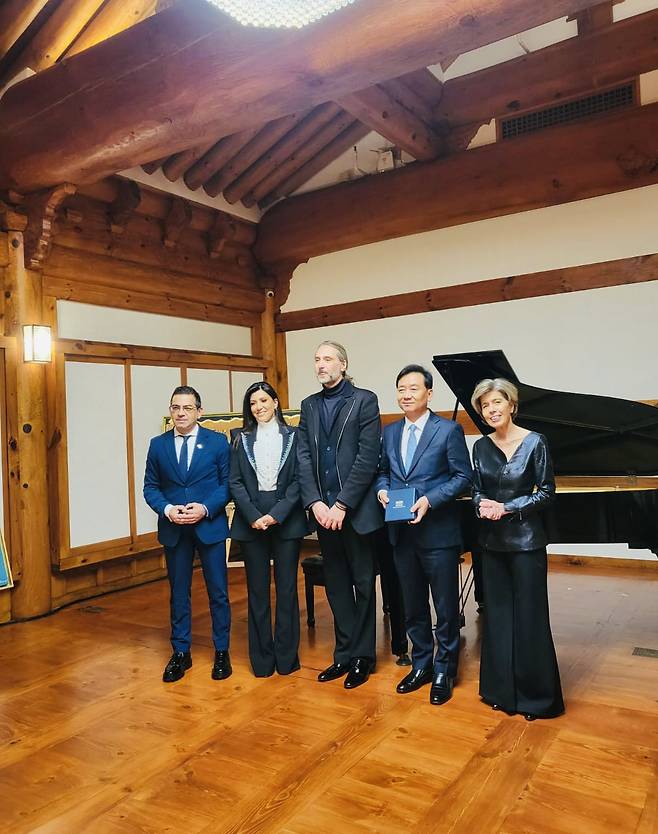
<point x="182" y="460"/>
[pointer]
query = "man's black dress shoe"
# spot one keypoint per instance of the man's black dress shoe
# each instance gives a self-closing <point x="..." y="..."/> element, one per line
<point x="331" y="673"/>
<point x="498" y="708"/>
<point x="359" y="673"/>
<point x="414" y="680"/>
<point x="221" y="668"/>
<point x="178" y="664"/>
<point x="529" y="716"/>
<point x="403" y="660"/>
<point x="441" y="689"/>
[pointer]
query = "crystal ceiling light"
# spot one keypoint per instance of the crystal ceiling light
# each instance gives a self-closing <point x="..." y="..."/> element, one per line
<point x="289" y="14"/>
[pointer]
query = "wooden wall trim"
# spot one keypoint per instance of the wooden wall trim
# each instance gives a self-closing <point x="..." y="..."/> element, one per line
<point x="512" y="288"/>
<point x="73" y="348"/>
<point x="602" y="155"/>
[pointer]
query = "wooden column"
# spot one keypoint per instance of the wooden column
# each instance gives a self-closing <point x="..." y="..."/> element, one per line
<point x="282" y="370"/>
<point x="27" y="436"/>
<point x="268" y="337"/>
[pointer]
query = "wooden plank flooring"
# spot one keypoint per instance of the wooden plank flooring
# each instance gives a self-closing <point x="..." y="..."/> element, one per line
<point x="92" y="741"/>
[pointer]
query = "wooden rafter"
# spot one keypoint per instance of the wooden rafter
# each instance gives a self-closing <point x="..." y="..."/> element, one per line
<point x="115" y="17"/>
<point x="265" y="75"/>
<point x="293" y="141"/>
<point x="54" y="37"/>
<point x="15" y="17"/>
<point x="316" y="145"/>
<point x="249" y="153"/>
<point x="215" y="159"/>
<point x="343" y="142"/>
<point x="377" y="109"/>
<point x="598" y="156"/>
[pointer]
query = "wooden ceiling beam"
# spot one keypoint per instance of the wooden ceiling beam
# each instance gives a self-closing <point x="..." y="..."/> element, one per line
<point x="219" y="155"/>
<point x="113" y="18"/>
<point x="152" y="166"/>
<point x="343" y="142"/>
<point x="383" y="114"/>
<point x="55" y="36"/>
<point x="288" y="167"/>
<point x="409" y="99"/>
<point x="598" y="156"/>
<point x="253" y="150"/>
<point x="597" y="17"/>
<point x="190" y="74"/>
<point x="293" y="141"/>
<point x="177" y="164"/>
<point x="15" y="17"/>
<point x="570" y="68"/>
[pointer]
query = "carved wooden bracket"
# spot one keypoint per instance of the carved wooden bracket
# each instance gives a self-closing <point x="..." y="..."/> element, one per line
<point x="224" y="229"/>
<point x="276" y="279"/>
<point x="176" y="221"/>
<point x="41" y="211"/>
<point x="127" y="200"/>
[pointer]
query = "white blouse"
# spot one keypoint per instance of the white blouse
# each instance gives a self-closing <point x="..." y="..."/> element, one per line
<point x="267" y="453"/>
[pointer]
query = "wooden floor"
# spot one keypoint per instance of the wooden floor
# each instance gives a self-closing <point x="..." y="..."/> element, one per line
<point x="92" y="741"/>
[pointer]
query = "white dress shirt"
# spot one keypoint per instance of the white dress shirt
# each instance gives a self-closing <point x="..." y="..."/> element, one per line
<point x="420" y="424"/>
<point x="191" y="446"/>
<point x="267" y="453"/>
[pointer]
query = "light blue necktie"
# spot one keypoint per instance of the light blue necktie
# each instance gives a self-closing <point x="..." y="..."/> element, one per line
<point x="412" y="443"/>
<point x="182" y="460"/>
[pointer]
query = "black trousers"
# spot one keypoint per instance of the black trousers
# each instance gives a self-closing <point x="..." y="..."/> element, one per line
<point x="268" y="650"/>
<point x="349" y="575"/>
<point x="423" y="571"/>
<point x="519" y="668"/>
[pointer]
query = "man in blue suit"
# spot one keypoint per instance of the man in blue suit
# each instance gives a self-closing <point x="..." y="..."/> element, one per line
<point x="428" y="453"/>
<point x="186" y="484"/>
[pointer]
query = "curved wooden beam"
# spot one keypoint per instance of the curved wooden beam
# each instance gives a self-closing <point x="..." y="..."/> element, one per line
<point x="190" y="73"/>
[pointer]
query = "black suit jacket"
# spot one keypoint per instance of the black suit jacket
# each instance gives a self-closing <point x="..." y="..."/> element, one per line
<point x="357" y="455"/>
<point x="243" y="482"/>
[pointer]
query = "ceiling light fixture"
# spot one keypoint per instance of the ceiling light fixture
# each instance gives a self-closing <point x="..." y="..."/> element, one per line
<point x="288" y="14"/>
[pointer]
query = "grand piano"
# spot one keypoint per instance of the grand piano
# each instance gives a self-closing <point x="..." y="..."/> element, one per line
<point x="604" y="450"/>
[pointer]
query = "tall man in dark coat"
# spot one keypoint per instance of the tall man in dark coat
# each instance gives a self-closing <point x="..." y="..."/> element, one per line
<point x="429" y="453"/>
<point x="338" y="453"/>
<point x="186" y="484"/>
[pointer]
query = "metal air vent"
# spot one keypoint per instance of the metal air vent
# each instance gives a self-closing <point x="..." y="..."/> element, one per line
<point x="570" y="111"/>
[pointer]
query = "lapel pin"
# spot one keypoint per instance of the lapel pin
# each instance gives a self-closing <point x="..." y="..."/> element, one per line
<point x="199" y="445"/>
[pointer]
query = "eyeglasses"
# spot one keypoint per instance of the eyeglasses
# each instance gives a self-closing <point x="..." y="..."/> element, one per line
<point x="188" y="409"/>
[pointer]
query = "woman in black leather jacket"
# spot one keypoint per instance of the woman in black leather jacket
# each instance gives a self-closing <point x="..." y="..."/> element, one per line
<point x="513" y="482"/>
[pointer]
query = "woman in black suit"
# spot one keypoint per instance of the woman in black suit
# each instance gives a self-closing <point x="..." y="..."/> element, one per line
<point x="270" y="522"/>
<point x="513" y="482"/>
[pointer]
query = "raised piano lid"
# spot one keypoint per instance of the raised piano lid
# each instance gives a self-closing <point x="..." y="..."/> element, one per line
<point x="587" y="434"/>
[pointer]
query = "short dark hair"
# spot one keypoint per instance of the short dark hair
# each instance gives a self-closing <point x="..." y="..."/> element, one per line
<point x="186" y="389"/>
<point x="417" y="369"/>
<point x="248" y="420"/>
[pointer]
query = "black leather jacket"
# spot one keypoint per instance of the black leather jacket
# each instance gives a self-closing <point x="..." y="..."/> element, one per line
<point x="524" y="484"/>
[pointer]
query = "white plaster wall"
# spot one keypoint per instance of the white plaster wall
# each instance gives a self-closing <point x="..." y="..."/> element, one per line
<point x="151" y="390"/>
<point x="97" y="452"/>
<point x="110" y="324"/>
<point x="588" y="231"/>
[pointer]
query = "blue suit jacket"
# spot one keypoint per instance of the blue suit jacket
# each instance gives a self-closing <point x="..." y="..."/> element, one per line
<point x="206" y="482"/>
<point x="440" y="469"/>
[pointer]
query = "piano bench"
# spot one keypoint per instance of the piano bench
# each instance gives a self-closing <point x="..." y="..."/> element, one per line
<point x="313" y="568"/>
<point x="313" y="575"/>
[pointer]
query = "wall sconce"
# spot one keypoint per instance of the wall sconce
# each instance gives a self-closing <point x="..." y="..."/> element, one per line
<point x="37" y="343"/>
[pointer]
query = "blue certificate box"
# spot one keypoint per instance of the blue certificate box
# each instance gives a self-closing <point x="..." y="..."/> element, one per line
<point x="400" y="502"/>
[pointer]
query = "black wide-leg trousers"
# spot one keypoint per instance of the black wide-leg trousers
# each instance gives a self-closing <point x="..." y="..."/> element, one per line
<point x="272" y="650"/>
<point x="518" y="669"/>
<point x="349" y="575"/>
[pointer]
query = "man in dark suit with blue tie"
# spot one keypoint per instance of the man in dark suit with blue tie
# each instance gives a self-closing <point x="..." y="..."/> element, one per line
<point x="186" y="484"/>
<point x="428" y="453"/>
